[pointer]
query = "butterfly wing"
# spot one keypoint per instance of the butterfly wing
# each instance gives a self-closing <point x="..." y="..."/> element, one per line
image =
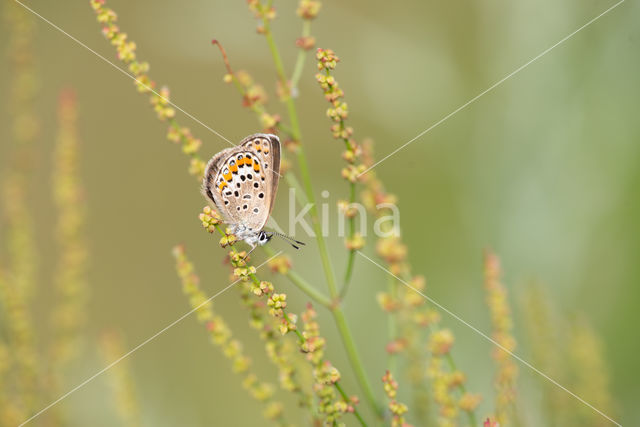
<point x="267" y="147"/>
<point x="242" y="181"/>
<point x="210" y="190"/>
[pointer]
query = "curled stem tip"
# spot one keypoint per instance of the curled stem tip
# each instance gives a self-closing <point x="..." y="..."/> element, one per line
<point x="223" y="52"/>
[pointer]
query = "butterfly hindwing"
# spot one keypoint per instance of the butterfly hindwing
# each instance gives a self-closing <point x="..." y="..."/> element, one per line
<point x="242" y="181"/>
<point x="267" y="146"/>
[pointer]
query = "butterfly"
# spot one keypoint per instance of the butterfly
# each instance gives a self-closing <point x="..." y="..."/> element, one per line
<point x="241" y="182"/>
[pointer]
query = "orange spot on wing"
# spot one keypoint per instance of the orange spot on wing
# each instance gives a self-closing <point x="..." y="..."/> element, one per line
<point x="228" y="176"/>
<point x="234" y="167"/>
<point x="256" y="166"/>
<point x="222" y="185"/>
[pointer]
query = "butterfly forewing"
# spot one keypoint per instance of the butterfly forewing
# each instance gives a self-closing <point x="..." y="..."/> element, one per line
<point x="242" y="181"/>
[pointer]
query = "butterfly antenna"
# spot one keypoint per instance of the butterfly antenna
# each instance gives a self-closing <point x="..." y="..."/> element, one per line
<point x="293" y="242"/>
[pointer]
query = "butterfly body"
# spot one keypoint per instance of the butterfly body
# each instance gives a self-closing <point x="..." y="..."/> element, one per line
<point x="241" y="182"/>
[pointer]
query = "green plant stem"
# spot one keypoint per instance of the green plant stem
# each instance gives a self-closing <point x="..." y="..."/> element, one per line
<point x="315" y="222"/>
<point x="337" y="312"/>
<point x="351" y="219"/>
<point x="291" y="180"/>
<point x="303" y="285"/>
<point x="354" y="358"/>
<point x="352" y="253"/>
<point x="302" y="339"/>
<point x="462" y="388"/>
<point x="302" y="54"/>
<point x="342" y="326"/>
<point x="294" y="131"/>
<point x="346" y="398"/>
<point x="393" y="287"/>
<point x="302" y="160"/>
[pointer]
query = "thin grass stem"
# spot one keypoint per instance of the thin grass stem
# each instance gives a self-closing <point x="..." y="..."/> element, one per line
<point x="337" y="312"/>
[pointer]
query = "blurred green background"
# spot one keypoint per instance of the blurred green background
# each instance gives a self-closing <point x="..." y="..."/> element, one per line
<point x="543" y="169"/>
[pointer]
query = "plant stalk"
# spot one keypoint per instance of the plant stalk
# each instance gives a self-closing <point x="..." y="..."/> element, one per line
<point x="337" y="312"/>
<point x="297" y="69"/>
<point x="303" y="285"/>
<point x="462" y="388"/>
<point x="352" y="253"/>
<point x="354" y="359"/>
